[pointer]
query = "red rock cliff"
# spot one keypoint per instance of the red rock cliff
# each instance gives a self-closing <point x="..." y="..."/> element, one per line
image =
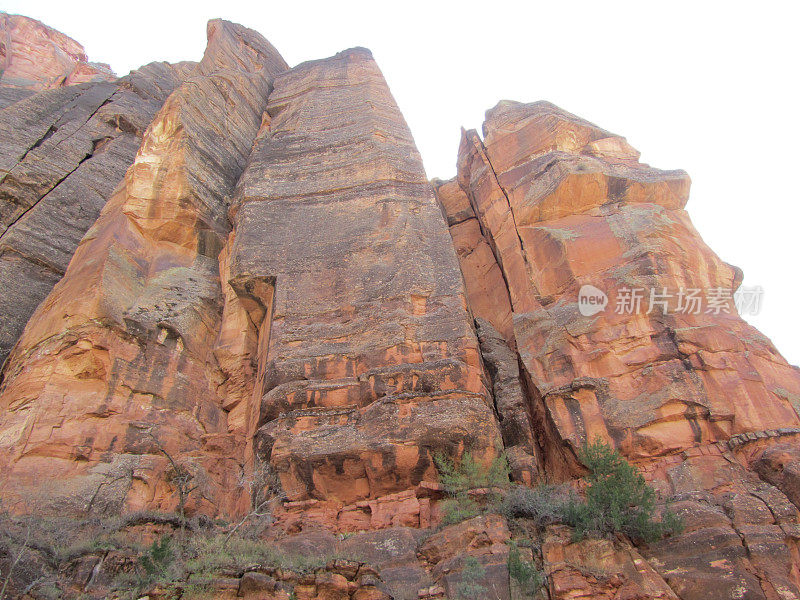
<point x="217" y="270"/>
<point x="34" y="56"/>
<point x="548" y="203"/>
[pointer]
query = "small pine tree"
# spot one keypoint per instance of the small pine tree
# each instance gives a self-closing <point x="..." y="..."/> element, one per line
<point x="458" y="479"/>
<point x="618" y="499"/>
<point x="158" y="559"/>
<point x="468" y="474"/>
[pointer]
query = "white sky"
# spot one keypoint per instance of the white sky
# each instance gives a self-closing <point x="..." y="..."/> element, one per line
<point x="710" y="87"/>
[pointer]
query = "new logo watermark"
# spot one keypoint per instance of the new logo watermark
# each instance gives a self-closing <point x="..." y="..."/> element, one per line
<point x="746" y="300"/>
<point x="591" y="300"/>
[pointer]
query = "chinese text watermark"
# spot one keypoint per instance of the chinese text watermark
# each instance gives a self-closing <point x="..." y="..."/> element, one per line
<point x="746" y="300"/>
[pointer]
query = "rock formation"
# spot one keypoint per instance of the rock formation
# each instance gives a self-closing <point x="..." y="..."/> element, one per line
<point x="372" y="363"/>
<point x="63" y="153"/>
<point x="124" y="338"/>
<point x="548" y="203"/>
<point x="229" y="285"/>
<point x="36" y="57"/>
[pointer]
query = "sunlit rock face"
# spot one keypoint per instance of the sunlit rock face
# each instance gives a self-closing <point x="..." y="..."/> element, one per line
<point x="563" y="204"/>
<point x="62" y="153"/>
<point x="36" y="57"/>
<point x="547" y="208"/>
<point x="372" y="361"/>
<point x="271" y="281"/>
<point x="114" y="371"/>
<point x="218" y="271"/>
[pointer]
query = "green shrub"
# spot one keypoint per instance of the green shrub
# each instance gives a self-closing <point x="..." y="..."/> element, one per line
<point x="455" y="510"/>
<point x="209" y="555"/>
<point x="159" y="558"/>
<point x="524" y="572"/>
<point x="472" y="574"/>
<point x="618" y="499"/>
<point x="190" y="565"/>
<point x="159" y="564"/>
<point x="459" y="478"/>
<point x="468" y="474"/>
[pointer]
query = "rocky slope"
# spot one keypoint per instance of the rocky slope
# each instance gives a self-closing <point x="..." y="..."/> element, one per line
<point x="229" y="290"/>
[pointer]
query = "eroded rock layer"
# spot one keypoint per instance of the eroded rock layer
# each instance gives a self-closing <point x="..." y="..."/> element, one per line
<point x="228" y="289"/>
<point x="562" y="204"/>
<point x="62" y="153"/>
<point x="371" y="363"/>
<point x="34" y="56"/>
<point x="111" y="381"/>
<point x="548" y="203"/>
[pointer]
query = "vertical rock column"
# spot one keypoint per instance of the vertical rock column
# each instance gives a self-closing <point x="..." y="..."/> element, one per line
<point x="114" y="377"/>
<point x="372" y="362"/>
<point x="62" y="154"/>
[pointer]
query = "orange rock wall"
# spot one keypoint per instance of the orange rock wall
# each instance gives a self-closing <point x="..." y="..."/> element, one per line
<point x="547" y="203"/>
<point x="272" y="283"/>
<point x="271" y="290"/>
<point x="372" y="362"/>
<point x="563" y="204"/>
<point x="36" y="57"/>
<point x="112" y="379"/>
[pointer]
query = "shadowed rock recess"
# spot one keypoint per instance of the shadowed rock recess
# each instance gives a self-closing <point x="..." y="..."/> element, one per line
<point x="233" y="271"/>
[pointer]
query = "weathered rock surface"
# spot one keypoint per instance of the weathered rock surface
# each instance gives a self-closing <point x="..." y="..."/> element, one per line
<point x="601" y="569"/>
<point x="372" y="363"/>
<point x="564" y="204"/>
<point x="520" y="439"/>
<point x="62" y="153"/>
<point x="741" y="534"/>
<point x="548" y="203"/>
<point x="123" y="342"/>
<point x="34" y="56"/>
<point x="483" y="538"/>
<point x="779" y="464"/>
<point x="10" y="95"/>
<point x="228" y="281"/>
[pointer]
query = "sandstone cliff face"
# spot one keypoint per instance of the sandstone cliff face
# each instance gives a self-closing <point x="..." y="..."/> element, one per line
<point x="562" y="203"/>
<point x="62" y="153"/>
<point x="34" y="56"/>
<point x="372" y="362"/>
<point x="213" y="271"/>
<point x="547" y="203"/>
<point x="124" y="338"/>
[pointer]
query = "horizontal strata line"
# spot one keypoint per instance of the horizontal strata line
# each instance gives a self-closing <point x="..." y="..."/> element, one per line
<point x="379" y="186"/>
<point x="388" y="399"/>
<point x="356" y="381"/>
<point x="278" y="99"/>
<point x="399" y="300"/>
<point x="5" y="249"/>
<point x="731" y="443"/>
<point x="290" y="143"/>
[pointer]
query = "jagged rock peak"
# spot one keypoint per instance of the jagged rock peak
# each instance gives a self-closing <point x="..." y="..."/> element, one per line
<point x="36" y="57"/>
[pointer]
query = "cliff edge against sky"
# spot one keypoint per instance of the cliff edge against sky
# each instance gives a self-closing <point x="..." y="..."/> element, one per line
<point x="219" y="270"/>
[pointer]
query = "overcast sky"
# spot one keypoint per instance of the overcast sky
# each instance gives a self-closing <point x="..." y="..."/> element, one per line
<point x="710" y="87"/>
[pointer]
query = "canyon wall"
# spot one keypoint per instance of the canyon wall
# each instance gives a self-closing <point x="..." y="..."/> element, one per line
<point x="111" y="377"/>
<point x="546" y="206"/>
<point x="214" y="271"/>
<point x="63" y="152"/>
